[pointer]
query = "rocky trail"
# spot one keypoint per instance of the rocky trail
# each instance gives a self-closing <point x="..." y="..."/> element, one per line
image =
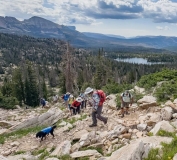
<point x="75" y="139"/>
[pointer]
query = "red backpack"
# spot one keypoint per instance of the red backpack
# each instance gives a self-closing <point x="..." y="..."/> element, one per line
<point x="102" y="96"/>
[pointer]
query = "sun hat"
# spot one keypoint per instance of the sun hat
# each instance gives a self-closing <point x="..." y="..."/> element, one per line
<point x="79" y="99"/>
<point x="67" y="93"/>
<point x="71" y="96"/>
<point x="88" y="90"/>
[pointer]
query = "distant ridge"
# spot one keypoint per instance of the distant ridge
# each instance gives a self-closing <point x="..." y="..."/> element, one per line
<point x="43" y="28"/>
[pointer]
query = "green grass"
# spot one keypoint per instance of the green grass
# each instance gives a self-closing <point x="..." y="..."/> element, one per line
<point x="166" y="134"/>
<point x="19" y="152"/>
<point x="52" y="149"/>
<point x="150" y="134"/>
<point x="37" y="152"/>
<point x="43" y="155"/>
<point x="65" y="157"/>
<point x="168" y="150"/>
<point x="152" y="154"/>
<point x="19" y="133"/>
<point x="73" y="119"/>
<point x="99" y="149"/>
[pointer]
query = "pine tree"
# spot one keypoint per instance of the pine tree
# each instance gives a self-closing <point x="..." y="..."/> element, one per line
<point x="18" y="86"/>
<point x="44" y="90"/>
<point x="31" y="88"/>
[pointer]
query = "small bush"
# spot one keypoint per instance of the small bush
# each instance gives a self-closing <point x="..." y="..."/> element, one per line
<point x="166" y="134"/>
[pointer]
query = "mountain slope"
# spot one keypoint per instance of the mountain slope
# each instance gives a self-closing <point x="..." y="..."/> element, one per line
<point x="42" y="28"/>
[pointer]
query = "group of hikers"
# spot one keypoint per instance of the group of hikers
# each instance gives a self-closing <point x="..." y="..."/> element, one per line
<point x="95" y="98"/>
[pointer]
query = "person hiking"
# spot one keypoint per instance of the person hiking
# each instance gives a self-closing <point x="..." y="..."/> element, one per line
<point x="98" y="97"/>
<point x="55" y="98"/>
<point x="75" y="106"/>
<point x="43" y="102"/>
<point x="126" y="101"/>
<point x="70" y="101"/>
<point x="65" y="98"/>
<point x="83" y="104"/>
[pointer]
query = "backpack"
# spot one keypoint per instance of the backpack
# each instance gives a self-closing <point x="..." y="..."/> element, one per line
<point x="128" y="95"/>
<point x="102" y="96"/>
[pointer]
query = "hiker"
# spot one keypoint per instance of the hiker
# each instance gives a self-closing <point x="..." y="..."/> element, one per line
<point x="98" y="97"/>
<point x="43" y="102"/>
<point x="75" y="106"/>
<point x="82" y="95"/>
<point x="65" y="97"/>
<point x="55" y="98"/>
<point x="126" y="101"/>
<point x="70" y="101"/>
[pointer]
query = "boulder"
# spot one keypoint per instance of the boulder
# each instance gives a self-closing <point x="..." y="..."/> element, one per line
<point x="141" y="127"/>
<point x="172" y="105"/>
<point x="112" y="101"/>
<point x="129" y="152"/>
<point x="79" y="134"/>
<point x="166" y="113"/>
<point x="3" y="158"/>
<point x="147" y="99"/>
<point x="22" y="156"/>
<point x="147" y="105"/>
<point x="139" y="148"/>
<point x="139" y="90"/>
<point x="62" y="149"/>
<point x="47" y="118"/>
<point x="86" y="153"/>
<point x="174" y="123"/>
<point x="175" y="157"/>
<point x="150" y="119"/>
<point x="154" y="141"/>
<point x="163" y="125"/>
<point x="85" y="140"/>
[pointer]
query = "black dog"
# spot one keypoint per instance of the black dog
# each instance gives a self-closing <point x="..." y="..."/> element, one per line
<point x="42" y="134"/>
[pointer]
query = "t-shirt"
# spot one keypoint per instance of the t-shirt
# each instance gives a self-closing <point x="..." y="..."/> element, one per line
<point x="71" y="100"/>
<point x="126" y="97"/>
<point x="66" y="97"/>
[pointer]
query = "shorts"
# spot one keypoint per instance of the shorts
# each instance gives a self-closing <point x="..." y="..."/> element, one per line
<point x="125" y="105"/>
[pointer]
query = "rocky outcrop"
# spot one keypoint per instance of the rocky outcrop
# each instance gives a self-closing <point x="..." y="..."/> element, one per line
<point x="62" y="149"/>
<point x="139" y="149"/>
<point x="172" y="105"/>
<point x="163" y="125"/>
<point x="135" y="151"/>
<point x="48" y="118"/>
<point x="146" y="102"/>
<point x="111" y="101"/>
<point x="166" y="113"/>
<point x="86" y="153"/>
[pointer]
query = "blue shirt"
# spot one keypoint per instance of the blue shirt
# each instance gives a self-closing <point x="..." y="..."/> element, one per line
<point x="66" y="97"/>
<point x="47" y="130"/>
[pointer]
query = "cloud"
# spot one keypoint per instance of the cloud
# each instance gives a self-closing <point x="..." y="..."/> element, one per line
<point x="163" y="28"/>
<point x="90" y="11"/>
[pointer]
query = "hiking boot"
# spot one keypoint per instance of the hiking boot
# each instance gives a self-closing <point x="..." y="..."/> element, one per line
<point x="122" y="115"/>
<point x="106" y="120"/>
<point x="93" y="125"/>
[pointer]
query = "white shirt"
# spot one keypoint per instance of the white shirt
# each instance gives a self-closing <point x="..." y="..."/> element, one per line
<point x="126" y="98"/>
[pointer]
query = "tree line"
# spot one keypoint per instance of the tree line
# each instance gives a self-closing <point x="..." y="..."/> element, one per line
<point x="31" y="67"/>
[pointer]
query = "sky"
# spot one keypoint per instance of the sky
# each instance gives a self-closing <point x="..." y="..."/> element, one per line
<point x="127" y="18"/>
